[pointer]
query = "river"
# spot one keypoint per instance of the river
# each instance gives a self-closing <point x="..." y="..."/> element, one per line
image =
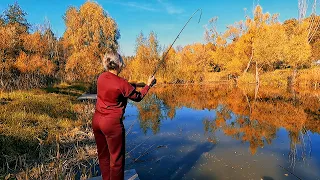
<point x="224" y="132"/>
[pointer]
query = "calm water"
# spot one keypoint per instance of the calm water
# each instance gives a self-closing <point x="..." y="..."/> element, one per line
<point x="222" y="132"/>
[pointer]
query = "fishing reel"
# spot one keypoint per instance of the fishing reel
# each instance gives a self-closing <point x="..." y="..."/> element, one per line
<point x="153" y="82"/>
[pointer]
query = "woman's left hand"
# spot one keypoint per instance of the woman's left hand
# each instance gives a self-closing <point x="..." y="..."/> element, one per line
<point x="151" y="81"/>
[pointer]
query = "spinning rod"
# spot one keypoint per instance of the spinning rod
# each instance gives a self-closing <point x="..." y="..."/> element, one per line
<point x="163" y="57"/>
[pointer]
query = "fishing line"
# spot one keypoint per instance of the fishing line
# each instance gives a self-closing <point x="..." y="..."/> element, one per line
<point x="163" y="57"/>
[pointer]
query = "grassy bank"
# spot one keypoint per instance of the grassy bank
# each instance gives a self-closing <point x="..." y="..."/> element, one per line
<point x="46" y="133"/>
<point x="307" y="78"/>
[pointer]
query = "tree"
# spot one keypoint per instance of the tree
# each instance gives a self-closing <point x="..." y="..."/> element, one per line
<point x="315" y="51"/>
<point x="290" y="25"/>
<point x="13" y="26"/>
<point x="270" y="44"/>
<point x="90" y="32"/>
<point x="299" y="49"/>
<point x="315" y="40"/>
<point x="168" y="72"/>
<point x="147" y="57"/>
<point x="1" y="21"/>
<point x="193" y="62"/>
<point x="14" y="15"/>
<point x="27" y="59"/>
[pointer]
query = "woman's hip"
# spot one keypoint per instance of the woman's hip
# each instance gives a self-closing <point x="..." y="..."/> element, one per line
<point x="107" y="123"/>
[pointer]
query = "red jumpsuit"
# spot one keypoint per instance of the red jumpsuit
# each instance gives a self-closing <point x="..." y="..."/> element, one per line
<point x="112" y="96"/>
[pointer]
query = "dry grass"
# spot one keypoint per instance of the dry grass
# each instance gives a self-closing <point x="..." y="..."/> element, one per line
<point x="247" y="78"/>
<point x="278" y="78"/>
<point x="215" y="77"/>
<point x="46" y="134"/>
<point x="309" y="78"/>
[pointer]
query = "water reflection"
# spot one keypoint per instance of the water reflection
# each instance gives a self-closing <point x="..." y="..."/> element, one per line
<point x="239" y="114"/>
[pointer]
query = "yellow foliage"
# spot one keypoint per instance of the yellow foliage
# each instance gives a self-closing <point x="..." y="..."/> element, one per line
<point x="299" y="52"/>
<point x="90" y="32"/>
<point x="278" y="78"/>
<point x="33" y="64"/>
<point x="309" y="78"/>
<point x="246" y="78"/>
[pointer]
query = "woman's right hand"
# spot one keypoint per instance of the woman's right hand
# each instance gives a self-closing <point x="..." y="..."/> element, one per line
<point x="151" y="81"/>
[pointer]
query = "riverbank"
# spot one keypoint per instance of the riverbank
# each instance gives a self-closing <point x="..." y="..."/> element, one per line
<point x="306" y="78"/>
<point x="46" y="133"/>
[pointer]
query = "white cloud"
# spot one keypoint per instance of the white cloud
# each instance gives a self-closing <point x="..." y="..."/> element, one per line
<point x="139" y="6"/>
<point x="136" y="5"/>
<point x="158" y="6"/>
<point x="171" y="9"/>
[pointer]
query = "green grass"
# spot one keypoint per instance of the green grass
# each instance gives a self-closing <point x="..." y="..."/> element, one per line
<point x="69" y="89"/>
<point x="29" y="114"/>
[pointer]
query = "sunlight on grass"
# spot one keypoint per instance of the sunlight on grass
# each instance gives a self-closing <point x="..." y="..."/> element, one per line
<point x="40" y="128"/>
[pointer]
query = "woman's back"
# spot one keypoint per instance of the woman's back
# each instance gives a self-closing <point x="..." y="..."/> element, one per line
<point x="112" y="94"/>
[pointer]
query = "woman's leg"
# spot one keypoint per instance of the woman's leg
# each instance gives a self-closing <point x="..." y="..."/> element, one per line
<point x="102" y="147"/>
<point x="103" y="154"/>
<point x="116" y="144"/>
<point x="110" y="138"/>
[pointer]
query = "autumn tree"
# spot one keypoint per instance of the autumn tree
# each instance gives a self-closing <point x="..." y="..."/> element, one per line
<point x="28" y="59"/>
<point x="222" y="52"/>
<point x="90" y="32"/>
<point x="261" y="40"/>
<point x="14" y="15"/>
<point x="315" y="40"/>
<point x="270" y="41"/>
<point x="146" y="58"/>
<point x="194" y="61"/>
<point x="168" y="72"/>
<point x="13" y="27"/>
<point x="299" y="50"/>
<point x="37" y="56"/>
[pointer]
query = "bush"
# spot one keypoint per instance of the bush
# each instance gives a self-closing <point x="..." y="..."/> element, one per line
<point x="309" y="78"/>
<point x="247" y="78"/>
<point x="278" y="78"/>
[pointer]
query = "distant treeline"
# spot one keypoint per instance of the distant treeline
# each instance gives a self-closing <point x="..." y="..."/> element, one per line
<point x="34" y="56"/>
<point x="247" y="48"/>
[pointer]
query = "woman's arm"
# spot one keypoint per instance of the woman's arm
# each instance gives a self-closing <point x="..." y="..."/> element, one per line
<point x="129" y="90"/>
<point x="138" y="96"/>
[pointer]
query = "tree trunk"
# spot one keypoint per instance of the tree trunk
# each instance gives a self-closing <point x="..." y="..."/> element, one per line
<point x="257" y="74"/>
<point x="257" y="81"/>
<point x="294" y="75"/>
<point x="249" y="63"/>
<point x="1" y="81"/>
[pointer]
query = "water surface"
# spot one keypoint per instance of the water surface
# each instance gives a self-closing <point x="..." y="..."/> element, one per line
<point x="223" y="132"/>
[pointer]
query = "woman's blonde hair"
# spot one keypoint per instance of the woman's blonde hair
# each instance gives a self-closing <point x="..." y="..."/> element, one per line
<point x="112" y="60"/>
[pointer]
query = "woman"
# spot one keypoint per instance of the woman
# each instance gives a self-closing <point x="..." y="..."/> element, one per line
<point x="112" y="95"/>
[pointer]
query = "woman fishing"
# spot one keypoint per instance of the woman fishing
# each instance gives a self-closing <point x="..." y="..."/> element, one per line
<point x="113" y="93"/>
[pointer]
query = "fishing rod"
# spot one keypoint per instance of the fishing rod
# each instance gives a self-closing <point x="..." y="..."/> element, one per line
<point x="163" y="57"/>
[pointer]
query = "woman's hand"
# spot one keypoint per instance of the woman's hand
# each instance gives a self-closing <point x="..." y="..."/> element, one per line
<point x="151" y="81"/>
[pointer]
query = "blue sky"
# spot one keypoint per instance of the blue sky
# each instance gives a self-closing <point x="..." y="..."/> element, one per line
<point x="165" y="17"/>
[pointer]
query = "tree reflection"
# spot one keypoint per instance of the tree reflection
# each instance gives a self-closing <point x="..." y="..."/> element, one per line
<point x="239" y="114"/>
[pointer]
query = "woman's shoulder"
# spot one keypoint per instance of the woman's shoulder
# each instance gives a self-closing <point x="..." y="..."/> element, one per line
<point x="123" y="80"/>
<point x="108" y="75"/>
<point x="102" y="75"/>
